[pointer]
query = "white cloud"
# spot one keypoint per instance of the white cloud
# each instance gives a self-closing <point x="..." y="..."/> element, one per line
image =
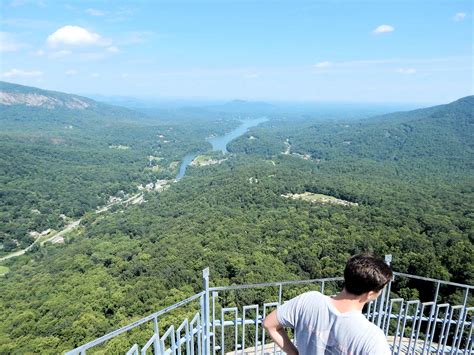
<point x="95" y="12"/>
<point x="407" y="71"/>
<point x="76" y="36"/>
<point x="15" y="73"/>
<point x="39" y="53"/>
<point x="95" y="75"/>
<point x="8" y="43"/>
<point x="383" y="29"/>
<point x="459" y="16"/>
<point x="322" y="65"/>
<point x="71" y="72"/>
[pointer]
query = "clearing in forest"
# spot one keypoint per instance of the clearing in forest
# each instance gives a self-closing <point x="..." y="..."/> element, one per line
<point x="119" y="147"/>
<point x="319" y="198"/>
<point x="204" y="160"/>
<point x="3" y="270"/>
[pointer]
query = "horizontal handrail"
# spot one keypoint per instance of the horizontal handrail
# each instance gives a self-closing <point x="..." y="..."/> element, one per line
<point x="329" y="279"/>
<point x="274" y="284"/>
<point x="434" y="280"/>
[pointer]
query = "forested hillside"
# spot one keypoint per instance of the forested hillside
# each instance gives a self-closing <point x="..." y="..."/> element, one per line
<point x="438" y="138"/>
<point x="404" y="184"/>
<point x="59" y="162"/>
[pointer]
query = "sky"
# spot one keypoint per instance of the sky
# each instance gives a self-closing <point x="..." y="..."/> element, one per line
<point x="404" y="51"/>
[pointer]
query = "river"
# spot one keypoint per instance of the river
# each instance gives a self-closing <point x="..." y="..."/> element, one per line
<point x="220" y="143"/>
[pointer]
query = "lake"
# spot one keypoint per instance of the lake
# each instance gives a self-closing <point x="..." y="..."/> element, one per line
<point x="220" y="142"/>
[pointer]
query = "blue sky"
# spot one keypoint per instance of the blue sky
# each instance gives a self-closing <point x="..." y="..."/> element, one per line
<point x="415" y="51"/>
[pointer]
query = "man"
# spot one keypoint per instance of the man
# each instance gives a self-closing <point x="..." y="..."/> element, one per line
<point x="334" y="325"/>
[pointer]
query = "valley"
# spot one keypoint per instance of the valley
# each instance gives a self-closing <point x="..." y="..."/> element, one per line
<point x="173" y="171"/>
<point x="219" y="143"/>
<point x="252" y="209"/>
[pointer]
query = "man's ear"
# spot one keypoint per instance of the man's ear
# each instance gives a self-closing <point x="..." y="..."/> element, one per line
<point x="372" y="295"/>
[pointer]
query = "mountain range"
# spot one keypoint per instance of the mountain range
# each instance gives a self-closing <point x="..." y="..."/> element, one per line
<point x="405" y="180"/>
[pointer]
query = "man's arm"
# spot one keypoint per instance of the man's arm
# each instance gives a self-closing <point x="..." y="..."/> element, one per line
<point x="278" y="334"/>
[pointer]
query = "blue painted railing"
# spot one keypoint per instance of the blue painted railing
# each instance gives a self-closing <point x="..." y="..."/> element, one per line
<point x="412" y="327"/>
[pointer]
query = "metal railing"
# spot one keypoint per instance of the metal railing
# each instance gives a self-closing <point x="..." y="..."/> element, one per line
<point x="224" y="322"/>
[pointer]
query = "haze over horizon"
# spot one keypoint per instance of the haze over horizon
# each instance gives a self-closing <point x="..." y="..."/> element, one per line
<point x="172" y="171"/>
<point x="280" y="51"/>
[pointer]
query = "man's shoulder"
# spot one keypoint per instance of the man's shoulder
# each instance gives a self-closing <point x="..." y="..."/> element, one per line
<point x="312" y="295"/>
<point x="367" y="334"/>
<point x="303" y="306"/>
<point x="377" y="332"/>
<point x="373" y="327"/>
<point x="374" y="335"/>
<point x="378" y="341"/>
<point x="365" y="325"/>
<point x="311" y="300"/>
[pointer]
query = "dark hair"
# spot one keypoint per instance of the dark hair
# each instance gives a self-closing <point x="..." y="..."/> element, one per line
<point x="364" y="273"/>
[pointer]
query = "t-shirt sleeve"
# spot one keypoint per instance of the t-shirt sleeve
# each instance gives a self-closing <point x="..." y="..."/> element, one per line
<point x="288" y="312"/>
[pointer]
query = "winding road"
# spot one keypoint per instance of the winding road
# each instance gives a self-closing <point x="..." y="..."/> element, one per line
<point x="218" y="143"/>
<point x="67" y="229"/>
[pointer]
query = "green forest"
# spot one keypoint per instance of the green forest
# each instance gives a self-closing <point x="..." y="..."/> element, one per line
<point x="409" y="176"/>
<point x="57" y="165"/>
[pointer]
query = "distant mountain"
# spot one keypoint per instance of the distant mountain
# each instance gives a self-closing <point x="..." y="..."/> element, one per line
<point x="439" y="137"/>
<point x="201" y="110"/>
<point x="444" y="132"/>
<point x="451" y="112"/>
<point x="193" y="110"/>
<point x="244" y="107"/>
<point x="14" y="94"/>
<point x="28" y="104"/>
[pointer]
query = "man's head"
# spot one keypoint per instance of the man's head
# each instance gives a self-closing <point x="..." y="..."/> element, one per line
<point x="365" y="274"/>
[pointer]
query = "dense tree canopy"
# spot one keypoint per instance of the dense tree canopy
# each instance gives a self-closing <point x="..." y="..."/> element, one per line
<point x="414" y="200"/>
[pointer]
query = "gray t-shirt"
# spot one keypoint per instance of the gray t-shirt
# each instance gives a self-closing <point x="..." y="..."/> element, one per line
<point x="321" y="329"/>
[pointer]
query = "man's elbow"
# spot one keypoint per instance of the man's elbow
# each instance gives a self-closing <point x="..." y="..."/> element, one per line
<point x="266" y="323"/>
<point x="271" y="321"/>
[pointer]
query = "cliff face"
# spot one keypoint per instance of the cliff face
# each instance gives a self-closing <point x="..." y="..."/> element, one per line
<point x="29" y="104"/>
<point x="41" y="100"/>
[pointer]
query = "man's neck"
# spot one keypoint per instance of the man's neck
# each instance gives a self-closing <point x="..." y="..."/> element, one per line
<point x="347" y="302"/>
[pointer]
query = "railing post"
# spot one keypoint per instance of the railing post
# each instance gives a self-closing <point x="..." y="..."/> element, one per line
<point x="462" y="317"/>
<point x="435" y="300"/>
<point x="157" y="336"/>
<point x="280" y="291"/>
<point x="388" y="260"/>
<point x="205" y="312"/>
<point x="214" y="297"/>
